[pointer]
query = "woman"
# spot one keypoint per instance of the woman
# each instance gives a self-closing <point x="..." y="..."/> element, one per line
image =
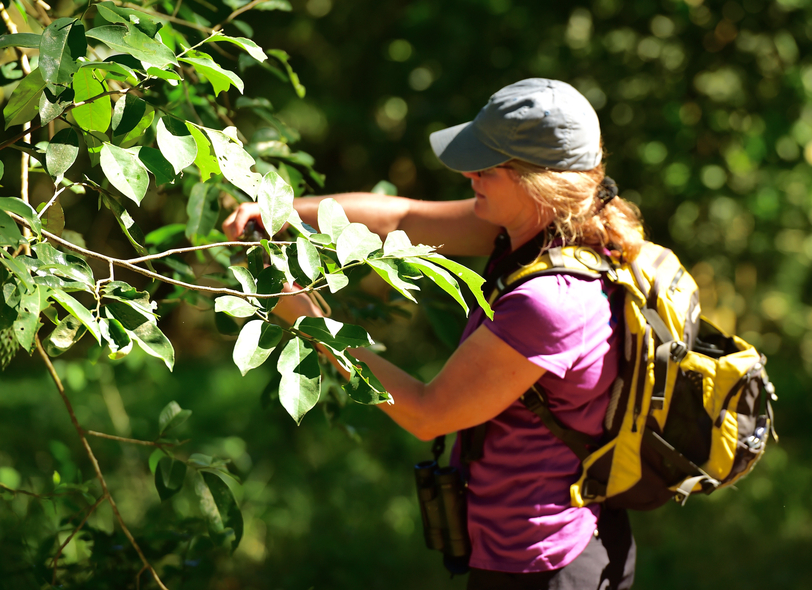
<point x="533" y="155"/>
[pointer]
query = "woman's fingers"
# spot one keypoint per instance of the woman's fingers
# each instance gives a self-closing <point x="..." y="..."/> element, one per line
<point x="234" y="225"/>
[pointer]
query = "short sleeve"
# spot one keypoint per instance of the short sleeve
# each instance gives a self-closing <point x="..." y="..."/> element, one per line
<point x="544" y="320"/>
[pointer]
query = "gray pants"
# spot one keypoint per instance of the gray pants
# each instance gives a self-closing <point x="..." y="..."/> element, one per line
<point x="607" y="563"/>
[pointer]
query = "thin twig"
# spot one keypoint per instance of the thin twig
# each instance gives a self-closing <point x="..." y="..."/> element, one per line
<point x="55" y="561"/>
<point x="134" y="441"/>
<point x="160" y="277"/>
<point x="51" y="202"/>
<point x="171" y="19"/>
<point x="166" y="253"/>
<point x="237" y="13"/>
<point x="94" y="462"/>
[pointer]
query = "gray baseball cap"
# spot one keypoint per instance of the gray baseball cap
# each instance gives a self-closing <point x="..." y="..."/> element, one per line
<point x="540" y="121"/>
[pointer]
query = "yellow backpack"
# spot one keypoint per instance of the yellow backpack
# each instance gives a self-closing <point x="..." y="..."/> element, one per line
<point x="690" y="409"/>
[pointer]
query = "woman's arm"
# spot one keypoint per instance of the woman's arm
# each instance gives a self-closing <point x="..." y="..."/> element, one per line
<point x="480" y="380"/>
<point x="451" y="226"/>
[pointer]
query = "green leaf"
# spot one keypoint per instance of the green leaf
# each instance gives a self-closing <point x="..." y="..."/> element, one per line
<point x="220" y="508"/>
<point x="364" y="387"/>
<point x="332" y="219"/>
<point x="255" y="344"/>
<point x="67" y="333"/>
<point x="27" y="40"/>
<point x="176" y="143"/>
<point x="469" y="277"/>
<point x="398" y="244"/>
<point x="144" y="330"/>
<point x="245" y="278"/>
<point x="54" y="218"/>
<point x="234" y="161"/>
<point x="142" y="126"/>
<point x="205" y="160"/>
<point x="275" y="199"/>
<point x="79" y="311"/>
<point x="356" y="242"/>
<point x="252" y="48"/>
<point x="117" y="14"/>
<point x="128" y="112"/>
<point x="62" y="43"/>
<point x="172" y="416"/>
<point x="117" y="338"/>
<point x="203" y="209"/>
<point x="301" y="378"/>
<point x="234" y="306"/>
<point x="127" y="224"/>
<point x="442" y="279"/>
<point x="9" y="231"/>
<point x="24" y="101"/>
<point x="61" y="153"/>
<point x="384" y="187"/>
<point x="125" y="172"/>
<point x="94" y="140"/>
<point x="334" y="334"/>
<point x="336" y="281"/>
<point x="283" y="57"/>
<point x="50" y="106"/>
<point x="139" y="300"/>
<point x="308" y="258"/>
<point x="153" y="159"/>
<point x="128" y="39"/>
<point x="96" y="115"/>
<point x="169" y="477"/>
<point x="220" y="79"/>
<point x="389" y="271"/>
<point x="27" y="323"/>
<point x="167" y="75"/>
<point x="67" y="265"/>
<point x="269" y="282"/>
<point x="117" y="69"/>
<point x="24" y="210"/>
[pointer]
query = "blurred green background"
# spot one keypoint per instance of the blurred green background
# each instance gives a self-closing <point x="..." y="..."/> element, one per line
<point x="706" y="110"/>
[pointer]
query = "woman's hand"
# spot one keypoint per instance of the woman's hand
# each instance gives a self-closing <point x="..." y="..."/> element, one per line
<point x="234" y="225"/>
<point x="292" y="307"/>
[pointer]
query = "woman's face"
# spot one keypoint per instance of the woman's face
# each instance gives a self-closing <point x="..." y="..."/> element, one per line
<point x="501" y="199"/>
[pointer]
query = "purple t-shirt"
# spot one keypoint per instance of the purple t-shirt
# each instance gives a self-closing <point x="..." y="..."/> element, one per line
<point x="519" y="513"/>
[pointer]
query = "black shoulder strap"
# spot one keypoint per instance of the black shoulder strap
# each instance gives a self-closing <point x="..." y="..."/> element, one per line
<point x="579" y="443"/>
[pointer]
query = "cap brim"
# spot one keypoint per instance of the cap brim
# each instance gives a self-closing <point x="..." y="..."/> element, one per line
<point x="458" y="148"/>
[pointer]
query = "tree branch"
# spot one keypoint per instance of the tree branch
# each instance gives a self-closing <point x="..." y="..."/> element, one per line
<point x="159" y="277"/>
<point x="237" y="13"/>
<point x="171" y="19"/>
<point x="94" y="462"/>
<point x="134" y="441"/>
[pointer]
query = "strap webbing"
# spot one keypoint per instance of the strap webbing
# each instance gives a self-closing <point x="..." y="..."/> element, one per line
<point x="579" y="443"/>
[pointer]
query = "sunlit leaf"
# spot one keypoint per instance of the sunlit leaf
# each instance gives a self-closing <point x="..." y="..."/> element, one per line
<point x="234" y="306"/>
<point x="245" y="278"/>
<point x="24" y="101"/>
<point x="364" y="387"/>
<point x="69" y="331"/>
<point x="334" y="334"/>
<point x="252" y="48"/>
<point x="50" y="106"/>
<point x="332" y="219"/>
<point x="79" y="311"/>
<point x="126" y="38"/>
<point x="221" y="510"/>
<point x="336" y="281"/>
<point x="144" y="330"/>
<point x="153" y="159"/>
<point x="125" y="172"/>
<point x="206" y="159"/>
<point x="301" y="378"/>
<point x="27" y="40"/>
<point x="255" y="344"/>
<point x="469" y="277"/>
<point x="63" y="42"/>
<point x="96" y="115"/>
<point x="117" y="14"/>
<point x="127" y="224"/>
<point x="442" y="279"/>
<point x="62" y="152"/>
<point x="283" y="57"/>
<point x="235" y="163"/>
<point x="27" y="323"/>
<point x="389" y="271"/>
<point x="24" y="210"/>
<point x="10" y="234"/>
<point x="116" y="337"/>
<point x="275" y="199"/>
<point x="308" y="258"/>
<point x="128" y="112"/>
<point x="126" y="73"/>
<point x="176" y="142"/>
<point x="220" y="79"/>
<point x="356" y="242"/>
<point x="398" y="244"/>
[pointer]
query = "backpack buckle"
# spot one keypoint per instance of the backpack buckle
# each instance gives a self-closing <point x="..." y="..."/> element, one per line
<point x="678" y="351"/>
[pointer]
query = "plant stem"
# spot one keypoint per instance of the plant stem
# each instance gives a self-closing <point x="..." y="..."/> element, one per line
<point x="132" y="441"/>
<point x="94" y="462"/>
<point x="55" y="561"/>
<point x="166" y="253"/>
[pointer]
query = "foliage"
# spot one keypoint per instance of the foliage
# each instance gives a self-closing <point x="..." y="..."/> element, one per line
<point x="705" y="109"/>
<point x="125" y="102"/>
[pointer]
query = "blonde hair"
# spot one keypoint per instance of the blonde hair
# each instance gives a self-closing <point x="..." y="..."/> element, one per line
<point x="579" y="214"/>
